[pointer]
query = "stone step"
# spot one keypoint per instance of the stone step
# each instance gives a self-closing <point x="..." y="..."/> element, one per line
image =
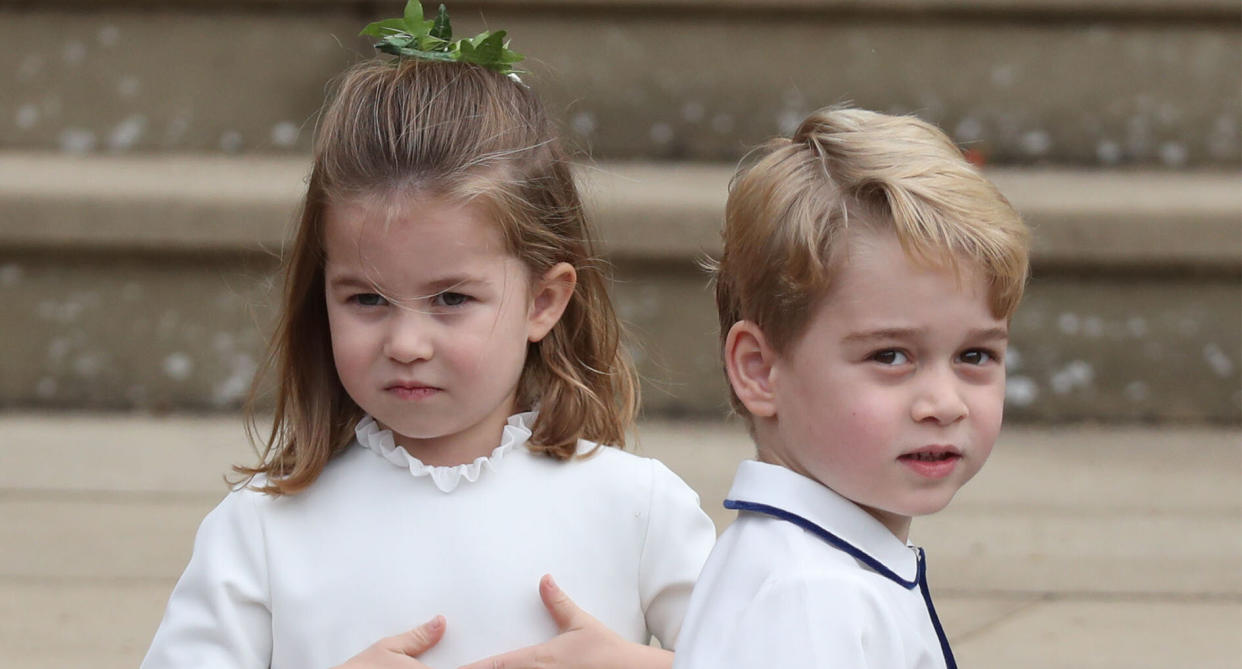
<point x="1154" y="82"/>
<point x="643" y="210"/>
<point x="147" y="282"/>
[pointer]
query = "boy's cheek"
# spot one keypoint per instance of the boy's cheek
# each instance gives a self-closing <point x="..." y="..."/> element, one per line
<point x="989" y="402"/>
<point x="987" y="416"/>
<point x="870" y="407"/>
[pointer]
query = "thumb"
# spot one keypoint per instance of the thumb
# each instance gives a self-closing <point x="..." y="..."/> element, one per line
<point x="419" y="640"/>
<point x="563" y="609"/>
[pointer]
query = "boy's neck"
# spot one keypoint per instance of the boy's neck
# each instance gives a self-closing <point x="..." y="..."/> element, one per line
<point x="772" y="454"/>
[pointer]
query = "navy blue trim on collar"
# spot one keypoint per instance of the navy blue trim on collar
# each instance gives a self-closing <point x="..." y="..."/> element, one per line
<point x="920" y="578"/>
<point x="829" y="537"/>
<point x="931" y="610"/>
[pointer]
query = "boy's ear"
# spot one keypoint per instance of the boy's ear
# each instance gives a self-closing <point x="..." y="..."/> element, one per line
<point x="748" y="363"/>
<point x="551" y="295"/>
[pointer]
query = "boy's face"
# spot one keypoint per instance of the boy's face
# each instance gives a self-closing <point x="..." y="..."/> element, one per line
<point x="893" y="395"/>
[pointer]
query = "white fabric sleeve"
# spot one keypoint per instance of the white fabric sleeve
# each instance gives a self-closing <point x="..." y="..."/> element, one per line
<point x="679" y="538"/>
<point x="823" y="621"/>
<point x="219" y="614"/>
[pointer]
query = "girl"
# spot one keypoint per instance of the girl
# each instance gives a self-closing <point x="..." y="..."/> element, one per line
<point x="447" y="361"/>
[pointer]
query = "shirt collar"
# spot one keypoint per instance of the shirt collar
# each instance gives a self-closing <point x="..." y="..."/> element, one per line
<point x="788" y="493"/>
<point x="516" y="432"/>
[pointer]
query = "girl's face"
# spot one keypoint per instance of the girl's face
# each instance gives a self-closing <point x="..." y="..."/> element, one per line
<point x="430" y="318"/>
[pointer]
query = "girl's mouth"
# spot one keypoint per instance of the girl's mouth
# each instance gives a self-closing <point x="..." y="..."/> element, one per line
<point x="412" y="392"/>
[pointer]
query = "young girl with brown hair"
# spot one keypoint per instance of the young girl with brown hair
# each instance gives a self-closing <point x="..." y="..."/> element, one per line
<point x="447" y="365"/>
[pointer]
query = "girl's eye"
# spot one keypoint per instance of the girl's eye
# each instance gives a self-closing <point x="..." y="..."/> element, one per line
<point x="977" y="356"/>
<point x="369" y="300"/>
<point x="450" y="299"/>
<point x="890" y="357"/>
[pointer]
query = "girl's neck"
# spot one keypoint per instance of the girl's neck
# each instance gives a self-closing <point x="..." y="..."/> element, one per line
<point x="459" y="448"/>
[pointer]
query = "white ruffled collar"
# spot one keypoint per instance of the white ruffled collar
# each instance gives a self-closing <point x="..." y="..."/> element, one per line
<point x="516" y="432"/>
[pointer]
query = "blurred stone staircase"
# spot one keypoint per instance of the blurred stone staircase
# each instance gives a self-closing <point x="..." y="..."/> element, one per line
<point x="152" y="154"/>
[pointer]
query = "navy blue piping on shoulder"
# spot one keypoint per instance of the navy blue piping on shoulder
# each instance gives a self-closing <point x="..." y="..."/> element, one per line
<point x="920" y="578"/>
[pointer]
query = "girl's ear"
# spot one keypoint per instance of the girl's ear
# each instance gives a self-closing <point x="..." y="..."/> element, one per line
<point x="551" y="295"/>
<point x="748" y="363"/>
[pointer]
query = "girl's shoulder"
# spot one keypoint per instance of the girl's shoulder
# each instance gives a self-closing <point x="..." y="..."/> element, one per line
<point x="610" y="469"/>
<point x="344" y="473"/>
<point x="615" y="459"/>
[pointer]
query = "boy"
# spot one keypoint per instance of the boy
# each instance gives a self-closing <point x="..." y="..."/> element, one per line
<point x="865" y="290"/>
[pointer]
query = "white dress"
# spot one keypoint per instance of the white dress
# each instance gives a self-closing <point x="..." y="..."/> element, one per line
<point x="381" y="543"/>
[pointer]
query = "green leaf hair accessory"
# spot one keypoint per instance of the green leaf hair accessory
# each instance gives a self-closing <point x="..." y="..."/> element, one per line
<point x="412" y="36"/>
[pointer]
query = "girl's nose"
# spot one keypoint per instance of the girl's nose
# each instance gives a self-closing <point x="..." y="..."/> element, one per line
<point x="939" y="399"/>
<point x="409" y="339"/>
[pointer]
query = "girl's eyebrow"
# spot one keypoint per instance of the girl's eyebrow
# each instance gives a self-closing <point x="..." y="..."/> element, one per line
<point x="446" y="284"/>
<point x="435" y="286"/>
<point x="350" y="281"/>
<point x="450" y="282"/>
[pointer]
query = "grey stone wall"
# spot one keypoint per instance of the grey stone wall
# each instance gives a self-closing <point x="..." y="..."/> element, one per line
<point x="1018" y="83"/>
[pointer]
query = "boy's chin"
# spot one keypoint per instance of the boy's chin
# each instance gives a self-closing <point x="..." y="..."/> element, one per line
<point x="911" y="508"/>
<point x="920" y="508"/>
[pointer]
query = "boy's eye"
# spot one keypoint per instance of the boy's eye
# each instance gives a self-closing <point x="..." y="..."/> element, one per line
<point x="890" y="357"/>
<point x="977" y="356"/>
<point x="450" y="299"/>
<point x="369" y="299"/>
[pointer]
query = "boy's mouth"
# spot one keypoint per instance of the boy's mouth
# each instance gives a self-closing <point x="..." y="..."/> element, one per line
<point x="930" y="456"/>
<point x="932" y="461"/>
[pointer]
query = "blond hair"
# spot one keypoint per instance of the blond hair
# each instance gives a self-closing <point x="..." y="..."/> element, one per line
<point x="790" y="205"/>
<point x="462" y="132"/>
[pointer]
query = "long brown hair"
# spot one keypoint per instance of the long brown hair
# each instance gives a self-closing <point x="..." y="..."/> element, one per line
<point x="464" y="132"/>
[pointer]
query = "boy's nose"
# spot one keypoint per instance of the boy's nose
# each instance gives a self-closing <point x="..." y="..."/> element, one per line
<point x="408" y="339"/>
<point x="939" y="399"/>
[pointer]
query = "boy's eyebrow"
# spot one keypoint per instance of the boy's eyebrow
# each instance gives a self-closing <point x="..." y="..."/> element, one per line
<point x="988" y="334"/>
<point x="884" y="333"/>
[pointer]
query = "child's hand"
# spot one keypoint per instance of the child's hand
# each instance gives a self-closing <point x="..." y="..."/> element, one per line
<point x="584" y="643"/>
<point x="398" y="652"/>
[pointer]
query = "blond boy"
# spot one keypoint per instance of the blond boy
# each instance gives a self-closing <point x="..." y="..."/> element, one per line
<point x="868" y="278"/>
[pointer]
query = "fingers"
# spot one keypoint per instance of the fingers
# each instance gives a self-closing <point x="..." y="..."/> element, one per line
<point x="418" y="640"/>
<point x="514" y="659"/>
<point x="564" y="611"/>
<point x="565" y="614"/>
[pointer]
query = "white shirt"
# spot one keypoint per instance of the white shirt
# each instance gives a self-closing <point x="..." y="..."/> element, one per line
<point x="381" y="543"/>
<point x="806" y="578"/>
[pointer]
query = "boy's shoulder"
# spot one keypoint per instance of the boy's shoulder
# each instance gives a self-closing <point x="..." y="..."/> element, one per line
<point x="792" y="529"/>
<point x="782" y="558"/>
<point x="773" y="595"/>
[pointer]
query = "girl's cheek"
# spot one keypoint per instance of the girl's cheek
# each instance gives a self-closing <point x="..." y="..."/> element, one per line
<point x="472" y="352"/>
